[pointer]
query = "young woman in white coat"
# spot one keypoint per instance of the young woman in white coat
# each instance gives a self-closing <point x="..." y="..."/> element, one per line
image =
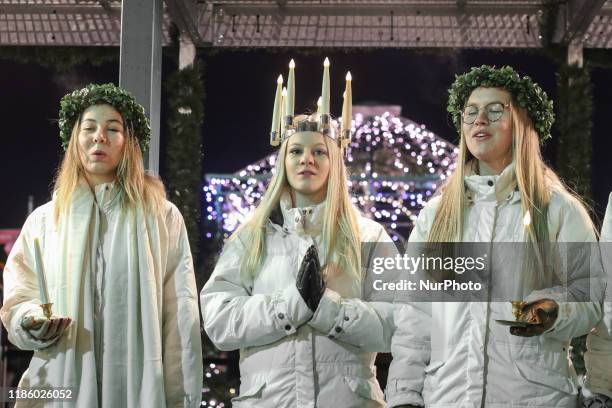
<point x="597" y="388"/>
<point x="455" y="354"/>
<point x="125" y="330"/>
<point x="288" y="288"/>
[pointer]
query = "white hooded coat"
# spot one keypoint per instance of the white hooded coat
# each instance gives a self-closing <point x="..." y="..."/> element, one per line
<point x="134" y="340"/>
<point x="598" y="358"/>
<point x="290" y="357"/>
<point x="455" y="355"/>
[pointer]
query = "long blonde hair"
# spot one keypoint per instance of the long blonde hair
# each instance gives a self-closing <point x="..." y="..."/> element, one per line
<point x="340" y="233"/>
<point x="135" y="185"/>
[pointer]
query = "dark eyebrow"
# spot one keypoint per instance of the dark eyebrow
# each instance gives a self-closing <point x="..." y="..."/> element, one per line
<point x="490" y="103"/>
<point x="300" y="145"/>
<point x="108" y="121"/>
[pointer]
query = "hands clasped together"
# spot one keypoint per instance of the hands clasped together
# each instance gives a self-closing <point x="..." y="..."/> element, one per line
<point x="309" y="281"/>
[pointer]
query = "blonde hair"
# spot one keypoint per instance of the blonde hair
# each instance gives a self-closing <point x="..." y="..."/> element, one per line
<point x="340" y="233"/>
<point x="536" y="183"/>
<point x="135" y="185"/>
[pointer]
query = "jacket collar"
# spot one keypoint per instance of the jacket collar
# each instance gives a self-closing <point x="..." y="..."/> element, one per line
<point x="106" y="195"/>
<point x="308" y="220"/>
<point x="498" y="187"/>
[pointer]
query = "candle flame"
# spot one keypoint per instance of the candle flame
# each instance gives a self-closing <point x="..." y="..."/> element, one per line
<point x="291" y="64"/>
<point x="284" y="91"/>
<point x="527" y="218"/>
<point x="348" y="76"/>
<point x="326" y="62"/>
<point x="320" y="101"/>
<point x="279" y="80"/>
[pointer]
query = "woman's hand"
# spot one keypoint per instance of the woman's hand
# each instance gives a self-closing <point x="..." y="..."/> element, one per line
<point x="544" y="312"/>
<point x="42" y="328"/>
<point x="309" y="281"/>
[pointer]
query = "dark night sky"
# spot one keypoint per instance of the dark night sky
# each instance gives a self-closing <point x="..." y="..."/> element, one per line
<point x="240" y="89"/>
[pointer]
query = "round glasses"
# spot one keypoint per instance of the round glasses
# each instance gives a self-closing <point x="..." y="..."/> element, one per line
<point x="494" y="111"/>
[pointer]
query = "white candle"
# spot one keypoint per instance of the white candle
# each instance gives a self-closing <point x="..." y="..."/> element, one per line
<point x="40" y="272"/>
<point x="325" y="88"/>
<point x="290" y="100"/>
<point x="276" y="120"/>
<point x="283" y="98"/>
<point x="319" y="102"/>
<point x="347" y="107"/>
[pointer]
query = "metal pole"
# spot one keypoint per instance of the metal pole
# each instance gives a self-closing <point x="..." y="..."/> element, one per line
<point x="140" y="63"/>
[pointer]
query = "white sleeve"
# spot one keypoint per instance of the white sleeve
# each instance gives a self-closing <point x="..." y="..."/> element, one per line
<point x="234" y="318"/>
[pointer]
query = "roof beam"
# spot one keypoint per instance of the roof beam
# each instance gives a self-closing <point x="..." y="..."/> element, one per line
<point x="182" y="13"/>
<point x="374" y="9"/>
<point x="574" y="19"/>
<point x="114" y="9"/>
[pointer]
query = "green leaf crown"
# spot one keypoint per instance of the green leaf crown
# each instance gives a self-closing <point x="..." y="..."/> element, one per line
<point x="525" y="92"/>
<point x="74" y="104"/>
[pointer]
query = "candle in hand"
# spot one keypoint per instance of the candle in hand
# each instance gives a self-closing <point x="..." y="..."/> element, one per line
<point x="40" y="272"/>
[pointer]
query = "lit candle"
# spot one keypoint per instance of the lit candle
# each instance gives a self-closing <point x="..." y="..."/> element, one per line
<point x="290" y="101"/>
<point x="276" y="118"/>
<point x="325" y="88"/>
<point x="527" y="218"/>
<point x="347" y="107"/>
<point x="40" y="272"/>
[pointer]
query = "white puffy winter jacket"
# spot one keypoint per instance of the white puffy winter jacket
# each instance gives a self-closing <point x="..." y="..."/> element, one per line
<point x="290" y="357"/>
<point x="455" y="354"/>
<point x="598" y="358"/>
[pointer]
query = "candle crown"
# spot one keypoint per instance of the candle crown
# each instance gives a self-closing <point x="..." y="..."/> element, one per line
<point x="284" y="125"/>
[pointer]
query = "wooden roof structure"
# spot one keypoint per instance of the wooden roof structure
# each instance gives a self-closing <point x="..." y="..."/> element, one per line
<point x="317" y="23"/>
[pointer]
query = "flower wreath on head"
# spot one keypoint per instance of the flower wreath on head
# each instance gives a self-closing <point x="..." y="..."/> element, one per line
<point x="526" y="93"/>
<point x="73" y="104"/>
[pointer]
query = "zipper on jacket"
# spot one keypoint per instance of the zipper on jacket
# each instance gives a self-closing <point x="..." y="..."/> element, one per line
<point x="485" y="369"/>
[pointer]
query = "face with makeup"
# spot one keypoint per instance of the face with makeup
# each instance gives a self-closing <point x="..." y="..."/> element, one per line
<point x="101" y="139"/>
<point x="487" y="128"/>
<point x="307" y="166"/>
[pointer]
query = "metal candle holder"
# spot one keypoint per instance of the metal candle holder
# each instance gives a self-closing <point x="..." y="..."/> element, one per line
<point x="517" y="308"/>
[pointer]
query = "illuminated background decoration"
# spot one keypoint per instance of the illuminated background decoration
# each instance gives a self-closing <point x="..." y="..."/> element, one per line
<point x="395" y="166"/>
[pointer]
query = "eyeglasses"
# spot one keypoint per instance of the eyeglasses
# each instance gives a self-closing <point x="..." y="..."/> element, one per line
<point x="494" y="111"/>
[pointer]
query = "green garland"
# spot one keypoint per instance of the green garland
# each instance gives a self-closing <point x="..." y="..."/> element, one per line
<point x="575" y="108"/>
<point x="184" y="149"/>
<point x="525" y="92"/>
<point x="73" y="104"/>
